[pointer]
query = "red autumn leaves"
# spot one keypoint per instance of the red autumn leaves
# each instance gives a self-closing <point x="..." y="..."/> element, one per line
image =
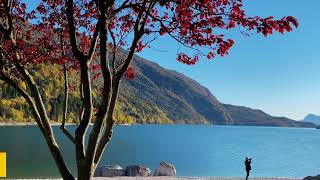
<point x="199" y="25"/>
<point x="280" y="26"/>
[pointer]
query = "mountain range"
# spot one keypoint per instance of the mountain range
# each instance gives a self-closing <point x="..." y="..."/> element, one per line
<point x="312" y="118"/>
<point x="155" y="96"/>
<point x="183" y="100"/>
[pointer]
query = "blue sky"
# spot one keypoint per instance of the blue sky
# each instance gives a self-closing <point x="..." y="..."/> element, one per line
<point x="279" y="74"/>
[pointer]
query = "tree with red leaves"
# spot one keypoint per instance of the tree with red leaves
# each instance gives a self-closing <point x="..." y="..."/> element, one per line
<point x="101" y="37"/>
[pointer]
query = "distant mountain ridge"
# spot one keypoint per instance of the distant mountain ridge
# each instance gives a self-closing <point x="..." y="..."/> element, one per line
<point x="183" y="100"/>
<point x="155" y="96"/>
<point x="255" y="117"/>
<point x="312" y="118"/>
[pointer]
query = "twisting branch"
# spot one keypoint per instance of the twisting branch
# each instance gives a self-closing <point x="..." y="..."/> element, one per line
<point x="138" y="33"/>
<point x="50" y="138"/>
<point x="39" y="111"/>
<point x="106" y="137"/>
<point x="68" y="134"/>
<point x="66" y="93"/>
<point x="72" y="30"/>
<point x="174" y="37"/>
<point x="124" y="5"/>
<point x="27" y="97"/>
<point x="93" y="42"/>
<point x="85" y="85"/>
<point x="107" y="78"/>
<point x="114" y="70"/>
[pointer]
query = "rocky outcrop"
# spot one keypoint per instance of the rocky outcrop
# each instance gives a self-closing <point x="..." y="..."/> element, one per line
<point x="136" y="170"/>
<point x="312" y="178"/>
<point x="109" y="171"/>
<point x="165" y="169"/>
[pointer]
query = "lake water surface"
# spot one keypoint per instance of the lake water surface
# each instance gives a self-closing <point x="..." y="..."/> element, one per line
<point x="195" y="150"/>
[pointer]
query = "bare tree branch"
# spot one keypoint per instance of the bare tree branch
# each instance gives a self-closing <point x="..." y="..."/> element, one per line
<point x="39" y="113"/>
<point x="105" y="139"/>
<point x="85" y="85"/>
<point x="66" y="95"/>
<point x="103" y="108"/>
<point x="93" y="42"/>
<point x="114" y="70"/>
<point x="72" y="30"/>
<point x="37" y="105"/>
<point x="27" y="97"/>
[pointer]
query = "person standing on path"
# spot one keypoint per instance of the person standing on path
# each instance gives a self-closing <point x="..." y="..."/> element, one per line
<point x="247" y="163"/>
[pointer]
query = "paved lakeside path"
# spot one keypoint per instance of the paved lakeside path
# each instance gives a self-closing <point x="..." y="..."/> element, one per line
<point x="184" y="178"/>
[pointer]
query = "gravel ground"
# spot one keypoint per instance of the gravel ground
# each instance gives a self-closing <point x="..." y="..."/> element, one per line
<point x="184" y="178"/>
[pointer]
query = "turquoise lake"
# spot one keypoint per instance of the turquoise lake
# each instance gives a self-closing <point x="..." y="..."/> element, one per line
<point x="194" y="150"/>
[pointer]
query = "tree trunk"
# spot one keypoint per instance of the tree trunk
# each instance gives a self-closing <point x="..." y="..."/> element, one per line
<point x="85" y="172"/>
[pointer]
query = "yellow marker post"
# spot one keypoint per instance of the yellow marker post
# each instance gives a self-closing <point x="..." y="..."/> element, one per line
<point x="3" y="165"/>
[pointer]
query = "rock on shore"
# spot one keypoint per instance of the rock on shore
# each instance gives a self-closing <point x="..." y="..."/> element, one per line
<point x="165" y="169"/>
<point x="109" y="171"/>
<point x="136" y="170"/>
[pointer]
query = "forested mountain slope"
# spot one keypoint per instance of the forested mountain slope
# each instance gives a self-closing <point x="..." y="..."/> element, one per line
<point x="155" y="95"/>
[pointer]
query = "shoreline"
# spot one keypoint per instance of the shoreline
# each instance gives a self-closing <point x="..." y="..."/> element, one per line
<point x="53" y="123"/>
<point x="183" y="178"/>
<point x="2" y="124"/>
<point x="192" y="178"/>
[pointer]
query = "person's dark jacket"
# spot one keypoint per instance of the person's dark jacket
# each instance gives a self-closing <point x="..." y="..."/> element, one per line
<point x="248" y="164"/>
